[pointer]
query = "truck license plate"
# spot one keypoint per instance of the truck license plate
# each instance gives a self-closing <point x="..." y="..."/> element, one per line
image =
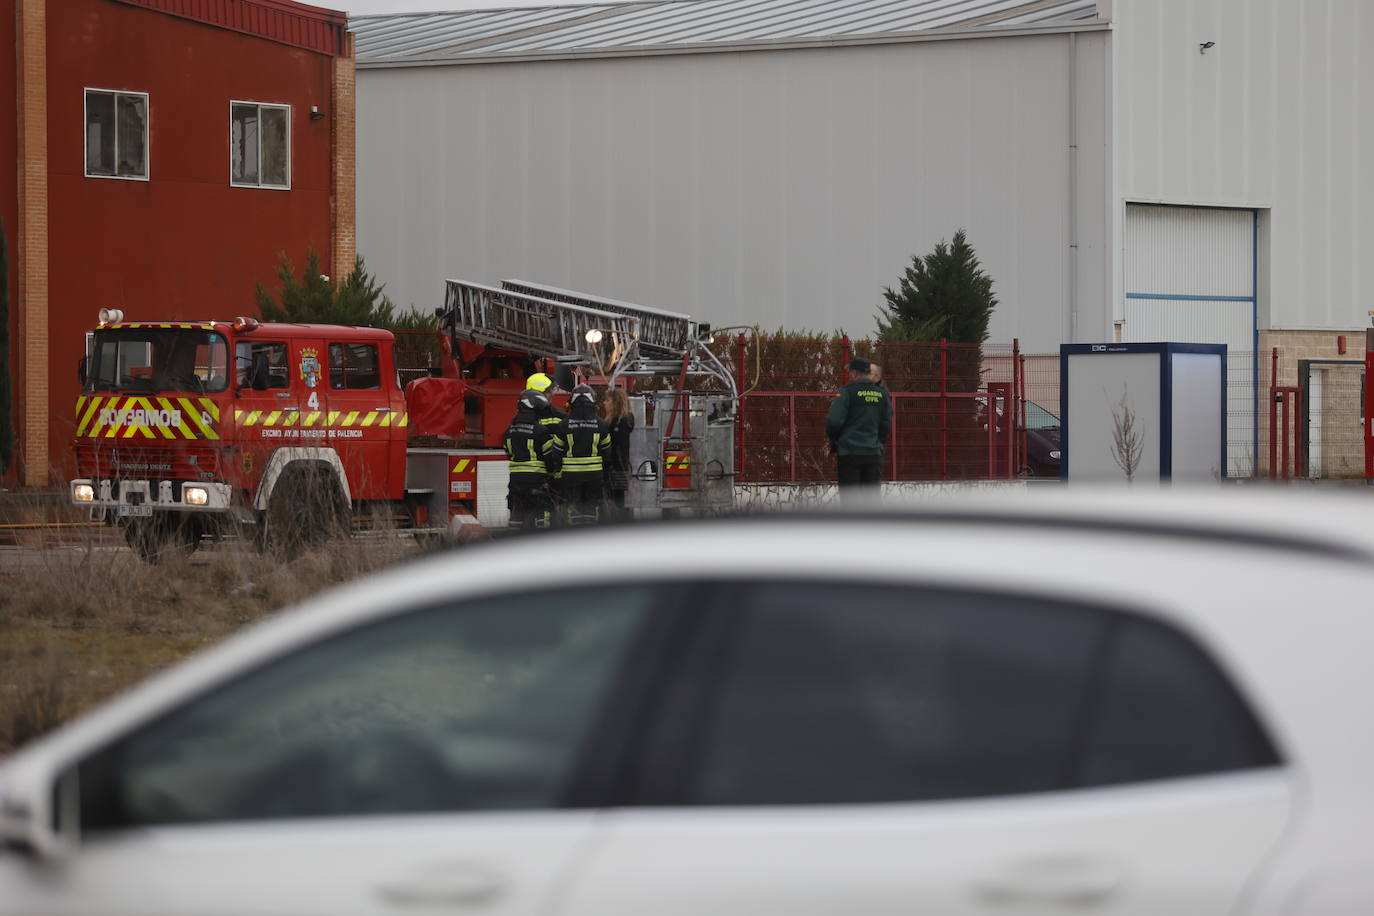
<point x="134" y="511"/>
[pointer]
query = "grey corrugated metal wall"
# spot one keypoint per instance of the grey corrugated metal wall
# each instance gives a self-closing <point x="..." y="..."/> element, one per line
<point x="784" y="188"/>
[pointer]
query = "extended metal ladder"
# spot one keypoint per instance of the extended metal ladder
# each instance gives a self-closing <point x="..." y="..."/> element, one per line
<point x="541" y="327"/>
<point x="662" y="334"/>
<point x="552" y="323"/>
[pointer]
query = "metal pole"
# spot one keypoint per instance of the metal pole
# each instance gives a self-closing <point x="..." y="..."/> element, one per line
<point x="844" y="360"/>
<point x="1014" y="408"/>
<point x="792" y="437"/>
<point x="944" y="409"/>
<point x="741" y="354"/>
<point x="1299" y="455"/>
<point x="1273" y="413"/>
<point x="892" y="440"/>
<point x="1022" y="447"/>
<point x="1284" y="395"/>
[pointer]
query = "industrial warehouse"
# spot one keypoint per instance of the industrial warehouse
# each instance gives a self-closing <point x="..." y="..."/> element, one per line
<point x="1182" y="170"/>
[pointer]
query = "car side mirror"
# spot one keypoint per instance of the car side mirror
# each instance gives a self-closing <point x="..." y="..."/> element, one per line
<point x="39" y="812"/>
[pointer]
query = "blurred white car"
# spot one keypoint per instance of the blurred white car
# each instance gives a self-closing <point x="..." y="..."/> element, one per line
<point x="1138" y="704"/>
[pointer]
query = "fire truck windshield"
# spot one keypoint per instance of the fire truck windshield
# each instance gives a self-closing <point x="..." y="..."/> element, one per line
<point x="158" y="359"/>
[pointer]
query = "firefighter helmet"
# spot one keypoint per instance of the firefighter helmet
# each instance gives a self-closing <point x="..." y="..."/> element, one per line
<point x="583" y="393"/>
<point x="539" y="382"/>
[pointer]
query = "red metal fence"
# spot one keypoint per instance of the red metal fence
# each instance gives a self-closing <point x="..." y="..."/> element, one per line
<point x="957" y="408"/>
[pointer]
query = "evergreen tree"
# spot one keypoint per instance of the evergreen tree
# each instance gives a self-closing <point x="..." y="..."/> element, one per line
<point x="944" y="294"/>
<point x="6" y="396"/>
<point x="357" y="300"/>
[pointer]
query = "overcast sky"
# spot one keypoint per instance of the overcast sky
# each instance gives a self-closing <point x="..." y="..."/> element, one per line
<point x="369" y="7"/>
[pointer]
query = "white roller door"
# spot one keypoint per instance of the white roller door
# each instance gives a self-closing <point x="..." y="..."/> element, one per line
<point x="1190" y="278"/>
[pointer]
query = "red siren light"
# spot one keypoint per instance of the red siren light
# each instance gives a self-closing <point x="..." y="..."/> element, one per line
<point x="245" y="324"/>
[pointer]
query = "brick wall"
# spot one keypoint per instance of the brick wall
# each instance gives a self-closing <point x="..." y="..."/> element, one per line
<point x="343" y="202"/>
<point x="32" y="255"/>
<point x="1341" y="449"/>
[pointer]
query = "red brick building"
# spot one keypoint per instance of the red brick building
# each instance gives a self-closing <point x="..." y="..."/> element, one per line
<point x="156" y="156"/>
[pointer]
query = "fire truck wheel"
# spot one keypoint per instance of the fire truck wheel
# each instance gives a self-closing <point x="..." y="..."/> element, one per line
<point x="306" y="509"/>
<point x="162" y="538"/>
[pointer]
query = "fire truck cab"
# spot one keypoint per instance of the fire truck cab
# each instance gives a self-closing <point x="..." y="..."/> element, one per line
<point x="185" y="429"/>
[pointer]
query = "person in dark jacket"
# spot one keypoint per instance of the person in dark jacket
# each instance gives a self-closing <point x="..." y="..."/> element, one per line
<point x="858" y="425"/>
<point x="620" y="421"/>
<point x="550" y="418"/>
<point x="527" y="443"/>
<point x="581" y="443"/>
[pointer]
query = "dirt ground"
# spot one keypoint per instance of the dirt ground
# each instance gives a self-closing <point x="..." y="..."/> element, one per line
<point x="82" y="618"/>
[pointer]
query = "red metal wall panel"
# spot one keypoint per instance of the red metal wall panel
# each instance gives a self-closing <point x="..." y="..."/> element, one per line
<point x="184" y="244"/>
<point x="296" y="24"/>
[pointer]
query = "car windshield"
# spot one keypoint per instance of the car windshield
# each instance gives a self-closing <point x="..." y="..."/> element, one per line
<point x="158" y="359"/>
<point x="1038" y="417"/>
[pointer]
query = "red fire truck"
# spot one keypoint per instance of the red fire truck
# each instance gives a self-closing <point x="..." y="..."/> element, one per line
<point x="290" y="433"/>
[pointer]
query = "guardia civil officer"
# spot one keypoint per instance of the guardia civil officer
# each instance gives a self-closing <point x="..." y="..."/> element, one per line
<point x="527" y="442"/>
<point x="857" y="427"/>
<point x="583" y="441"/>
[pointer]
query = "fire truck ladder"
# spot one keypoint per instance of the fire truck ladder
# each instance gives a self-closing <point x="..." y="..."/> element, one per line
<point x="554" y="323"/>
<point x="665" y="335"/>
<point x="541" y="327"/>
<point x="668" y="343"/>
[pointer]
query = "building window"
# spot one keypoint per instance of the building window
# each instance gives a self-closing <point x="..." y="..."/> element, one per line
<point x="353" y="366"/>
<point x="116" y="134"/>
<point x="259" y="145"/>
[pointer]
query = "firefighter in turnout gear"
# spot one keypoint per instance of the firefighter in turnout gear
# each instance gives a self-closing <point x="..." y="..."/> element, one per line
<point x="527" y="445"/>
<point x="583" y="441"/>
<point x="550" y="418"/>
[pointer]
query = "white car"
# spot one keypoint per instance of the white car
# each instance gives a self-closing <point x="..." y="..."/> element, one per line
<point x="1137" y="703"/>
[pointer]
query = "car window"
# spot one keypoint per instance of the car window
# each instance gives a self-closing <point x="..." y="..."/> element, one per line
<point x="867" y="693"/>
<point x="1165" y="710"/>
<point x="1038" y="417"/>
<point x="481" y="705"/>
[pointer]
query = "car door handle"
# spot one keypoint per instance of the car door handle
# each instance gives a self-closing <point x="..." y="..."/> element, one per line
<point x="444" y="884"/>
<point x="290" y="410"/>
<point x="1076" y="880"/>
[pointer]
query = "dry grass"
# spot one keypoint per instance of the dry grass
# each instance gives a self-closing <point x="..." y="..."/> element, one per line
<point x="78" y="625"/>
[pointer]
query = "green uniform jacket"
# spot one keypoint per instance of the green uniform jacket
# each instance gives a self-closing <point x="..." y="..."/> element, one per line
<point x="859" y="419"/>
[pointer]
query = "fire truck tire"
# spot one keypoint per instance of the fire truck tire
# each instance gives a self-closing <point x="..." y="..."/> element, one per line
<point x="306" y="509"/>
<point x="162" y="538"/>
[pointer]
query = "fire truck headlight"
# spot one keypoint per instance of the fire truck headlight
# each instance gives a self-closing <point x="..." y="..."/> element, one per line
<point x="196" y="496"/>
<point x="83" y="493"/>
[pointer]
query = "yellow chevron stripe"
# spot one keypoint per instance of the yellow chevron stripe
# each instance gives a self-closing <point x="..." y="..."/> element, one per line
<point x="189" y="410"/>
<point x="370" y="418"/>
<point x="290" y="417"/>
<point x="461" y="466"/>
<point x="312" y="417"/>
<point x="272" y="418"/>
<point x="183" y="426"/>
<point x="333" y="418"/>
<point x="386" y="419"/>
<point x="404" y="421"/>
<point x="84" y="420"/>
<point x="252" y="417"/>
<point x="211" y="408"/>
<point x="350" y="419"/>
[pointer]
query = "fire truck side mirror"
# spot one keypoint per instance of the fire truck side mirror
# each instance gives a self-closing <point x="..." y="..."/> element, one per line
<point x="81" y="369"/>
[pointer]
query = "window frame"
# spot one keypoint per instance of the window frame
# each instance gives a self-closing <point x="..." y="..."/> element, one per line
<point x="147" y="133"/>
<point x="283" y="106"/>
<point x="345" y="365"/>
